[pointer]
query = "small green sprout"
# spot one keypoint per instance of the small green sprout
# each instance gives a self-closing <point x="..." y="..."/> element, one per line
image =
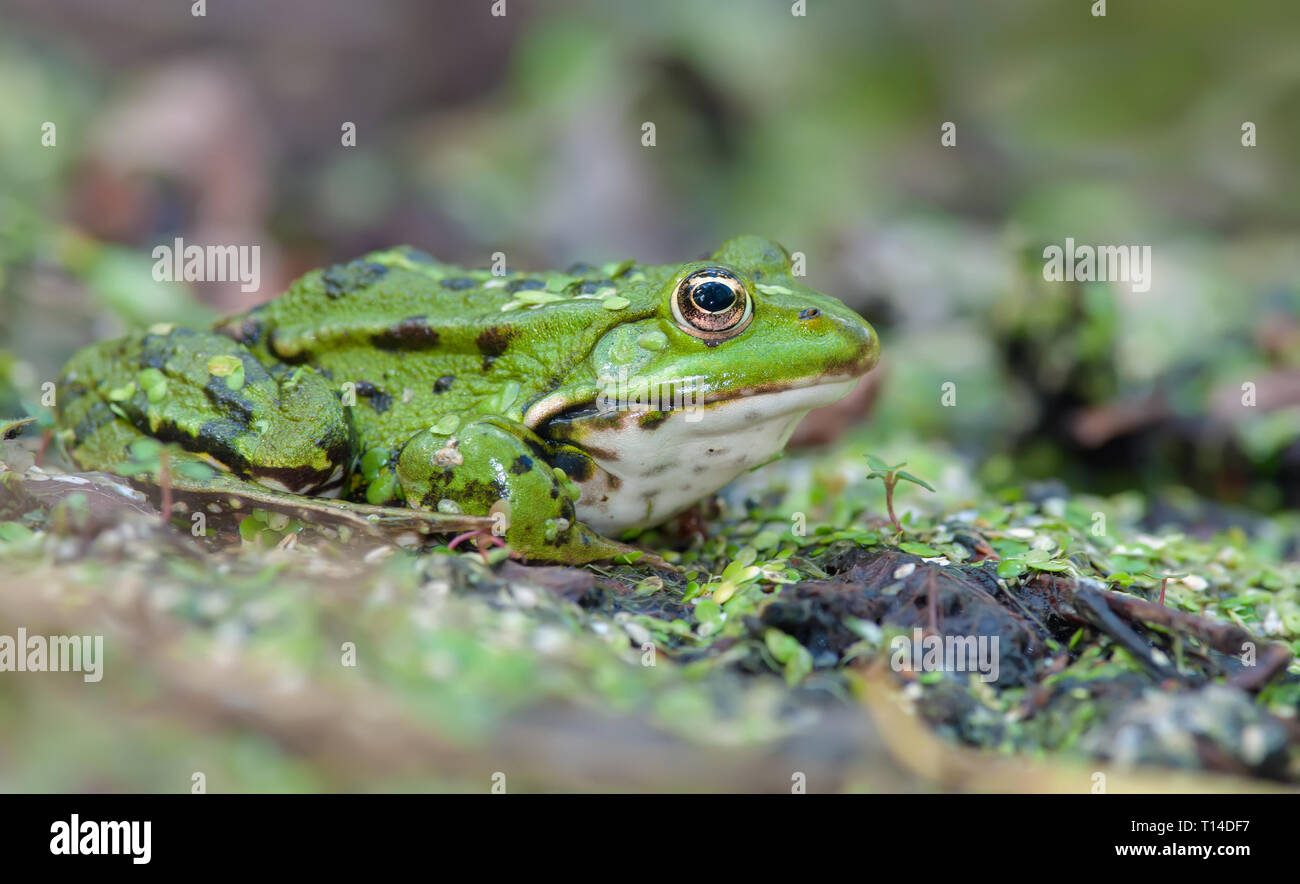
<point x="1164" y="579"/>
<point x="891" y="475"/>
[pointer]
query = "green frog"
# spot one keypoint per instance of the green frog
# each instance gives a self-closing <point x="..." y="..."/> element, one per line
<point x="569" y="407"/>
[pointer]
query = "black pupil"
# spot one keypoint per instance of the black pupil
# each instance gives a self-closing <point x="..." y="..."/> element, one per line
<point x="714" y="296"/>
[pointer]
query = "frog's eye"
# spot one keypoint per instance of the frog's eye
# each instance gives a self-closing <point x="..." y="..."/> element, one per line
<point x="712" y="304"/>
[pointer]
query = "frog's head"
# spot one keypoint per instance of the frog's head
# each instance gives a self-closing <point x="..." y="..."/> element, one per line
<point x="742" y="323"/>
<point x="711" y="376"/>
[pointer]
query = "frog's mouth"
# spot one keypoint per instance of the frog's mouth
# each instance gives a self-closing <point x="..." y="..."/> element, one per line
<point x="734" y="410"/>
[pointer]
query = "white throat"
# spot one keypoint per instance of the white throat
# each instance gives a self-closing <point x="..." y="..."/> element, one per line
<point x="656" y="473"/>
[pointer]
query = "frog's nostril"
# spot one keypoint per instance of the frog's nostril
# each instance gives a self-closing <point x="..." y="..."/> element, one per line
<point x="809" y="313"/>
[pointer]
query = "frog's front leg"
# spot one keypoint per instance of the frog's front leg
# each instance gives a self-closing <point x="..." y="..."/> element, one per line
<point x="494" y="459"/>
<point x="281" y="426"/>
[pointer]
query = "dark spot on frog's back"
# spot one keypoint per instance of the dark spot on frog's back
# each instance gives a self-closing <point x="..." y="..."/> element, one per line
<point x="459" y="283"/>
<point x="247" y="331"/>
<point x="344" y="279"/>
<point x="522" y="464"/>
<point x="156" y="349"/>
<point x="483" y="493"/>
<point x="377" y="398"/>
<point x="152" y="357"/>
<point x="443" y="384"/>
<point x="71" y="389"/>
<point x="96" y="416"/>
<point x="520" y="285"/>
<point x="234" y="407"/>
<point x="412" y="333"/>
<point x="493" y="343"/>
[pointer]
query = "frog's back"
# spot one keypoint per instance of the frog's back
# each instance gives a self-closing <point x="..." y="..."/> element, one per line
<point x="419" y="339"/>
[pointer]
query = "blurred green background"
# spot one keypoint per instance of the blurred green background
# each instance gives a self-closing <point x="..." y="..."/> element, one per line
<point x="523" y="134"/>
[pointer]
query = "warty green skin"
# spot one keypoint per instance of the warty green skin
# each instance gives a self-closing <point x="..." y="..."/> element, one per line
<point x="399" y="380"/>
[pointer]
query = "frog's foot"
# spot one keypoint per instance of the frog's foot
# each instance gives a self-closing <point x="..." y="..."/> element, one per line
<point x="282" y="427"/>
<point x="499" y="468"/>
